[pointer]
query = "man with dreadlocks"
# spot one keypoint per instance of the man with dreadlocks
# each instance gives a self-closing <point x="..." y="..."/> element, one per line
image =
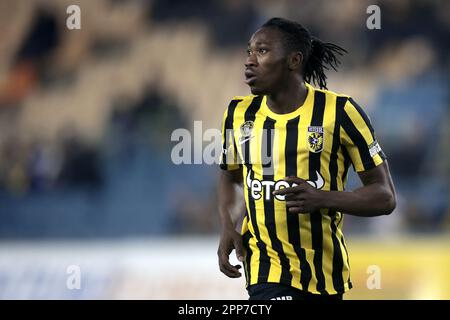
<point x="290" y="146"/>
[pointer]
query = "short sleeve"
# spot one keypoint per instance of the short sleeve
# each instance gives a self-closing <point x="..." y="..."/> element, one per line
<point x="358" y="138"/>
<point x="229" y="159"/>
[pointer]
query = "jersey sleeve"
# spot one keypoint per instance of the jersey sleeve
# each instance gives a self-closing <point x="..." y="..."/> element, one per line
<point x="358" y="138"/>
<point x="229" y="159"/>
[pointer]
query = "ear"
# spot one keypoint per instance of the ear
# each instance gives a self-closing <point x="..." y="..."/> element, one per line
<point x="295" y="60"/>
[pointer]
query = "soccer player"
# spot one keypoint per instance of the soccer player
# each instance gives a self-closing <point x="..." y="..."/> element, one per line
<point x="290" y="146"/>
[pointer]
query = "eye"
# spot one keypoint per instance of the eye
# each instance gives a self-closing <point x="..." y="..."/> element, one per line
<point x="249" y="52"/>
<point x="262" y="51"/>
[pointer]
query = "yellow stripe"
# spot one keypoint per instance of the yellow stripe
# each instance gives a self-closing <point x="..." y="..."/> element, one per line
<point x="328" y="125"/>
<point x="238" y="120"/>
<point x="341" y="169"/>
<point x="244" y="227"/>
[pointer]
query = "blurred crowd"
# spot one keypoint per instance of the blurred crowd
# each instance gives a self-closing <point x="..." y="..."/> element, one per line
<point x="86" y="115"/>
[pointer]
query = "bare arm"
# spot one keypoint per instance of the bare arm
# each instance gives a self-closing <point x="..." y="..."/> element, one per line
<point x="376" y="197"/>
<point x="227" y="196"/>
<point x="229" y="239"/>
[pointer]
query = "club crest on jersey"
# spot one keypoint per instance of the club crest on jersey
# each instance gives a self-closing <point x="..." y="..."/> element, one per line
<point x="315" y="139"/>
<point x="246" y="131"/>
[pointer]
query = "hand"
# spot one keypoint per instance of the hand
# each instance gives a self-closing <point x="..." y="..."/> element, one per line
<point x="229" y="240"/>
<point x="301" y="198"/>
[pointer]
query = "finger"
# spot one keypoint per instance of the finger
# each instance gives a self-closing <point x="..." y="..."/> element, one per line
<point x="291" y="204"/>
<point x="230" y="271"/>
<point x="227" y="268"/>
<point x="284" y="191"/>
<point x="224" y="250"/>
<point x="298" y="210"/>
<point x="239" y="248"/>
<point x="225" y="262"/>
<point x="229" y="274"/>
<point x="293" y="196"/>
<point x="294" y="210"/>
<point x="296" y="180"/>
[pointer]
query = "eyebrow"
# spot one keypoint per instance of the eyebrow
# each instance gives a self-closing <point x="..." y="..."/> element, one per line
<point x="258" y="43"/>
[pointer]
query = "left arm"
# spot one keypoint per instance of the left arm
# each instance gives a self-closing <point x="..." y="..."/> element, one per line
<point x="376" y="197"/>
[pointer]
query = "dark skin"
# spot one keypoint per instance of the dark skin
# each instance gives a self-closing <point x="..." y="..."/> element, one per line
<point x="277" y="74"/>
<point x="273" y="71"/>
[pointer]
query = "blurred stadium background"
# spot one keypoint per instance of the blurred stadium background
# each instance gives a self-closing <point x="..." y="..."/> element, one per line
<point x="86" y="177"/>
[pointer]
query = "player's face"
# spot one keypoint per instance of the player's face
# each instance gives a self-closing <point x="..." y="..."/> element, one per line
<point x="266" y="66"/>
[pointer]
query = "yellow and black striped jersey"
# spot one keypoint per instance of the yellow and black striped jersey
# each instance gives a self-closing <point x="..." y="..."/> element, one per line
<point x="317" y="142"/>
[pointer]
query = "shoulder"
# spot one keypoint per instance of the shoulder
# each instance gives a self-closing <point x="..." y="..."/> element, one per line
<point x="343" y="101"/>
<point x="242" y="100"/>
<point x="239" y="103"/>
<point x="347" y="108"/>
<point x="334" y="94"/>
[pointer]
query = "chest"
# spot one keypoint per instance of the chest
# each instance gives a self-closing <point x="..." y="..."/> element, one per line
<point x="264" y="139"/>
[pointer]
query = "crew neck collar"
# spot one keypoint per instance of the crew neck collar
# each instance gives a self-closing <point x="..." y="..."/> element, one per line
<point x="291" y="115"/>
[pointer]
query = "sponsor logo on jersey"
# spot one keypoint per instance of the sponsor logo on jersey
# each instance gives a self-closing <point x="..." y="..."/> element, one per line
<point x="264" y="188"/>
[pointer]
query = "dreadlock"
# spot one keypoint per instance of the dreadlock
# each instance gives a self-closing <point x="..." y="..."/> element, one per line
<point x="318" y="56"/>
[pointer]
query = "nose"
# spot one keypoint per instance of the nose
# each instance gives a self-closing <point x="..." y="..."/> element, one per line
<point x="251" y="61"/>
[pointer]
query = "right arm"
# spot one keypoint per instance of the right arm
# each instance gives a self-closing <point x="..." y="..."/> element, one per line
<point x="229" y="239"/>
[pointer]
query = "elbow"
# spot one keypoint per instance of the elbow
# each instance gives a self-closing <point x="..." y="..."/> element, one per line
<point x="389" y="203"/>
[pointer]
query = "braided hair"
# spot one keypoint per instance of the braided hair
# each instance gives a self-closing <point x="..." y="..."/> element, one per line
<point x="318" y="56"/>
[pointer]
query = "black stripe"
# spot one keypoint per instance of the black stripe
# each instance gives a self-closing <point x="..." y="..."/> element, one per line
<point x="368" y="124"/>
<point x="269" y="206"/>
<point x="338" y="263"/>
<point x="347" y="163"/>
<point x="364" y="116"/>
<point x="293" y="223"/>
<point x="264" y="260"/>
<point x="316" y="216"/>
<point x="348" y="261"/>
<point x="333" y="167"/>
<point x="358" y="140"/>
<point x="319" y="109"/>
<point x="228" y="126"/>
<point x="340" y="105"/>
<point x="248" y="257"/>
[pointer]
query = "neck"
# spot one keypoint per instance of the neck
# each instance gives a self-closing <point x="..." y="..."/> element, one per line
<point x="289" y="98"/>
